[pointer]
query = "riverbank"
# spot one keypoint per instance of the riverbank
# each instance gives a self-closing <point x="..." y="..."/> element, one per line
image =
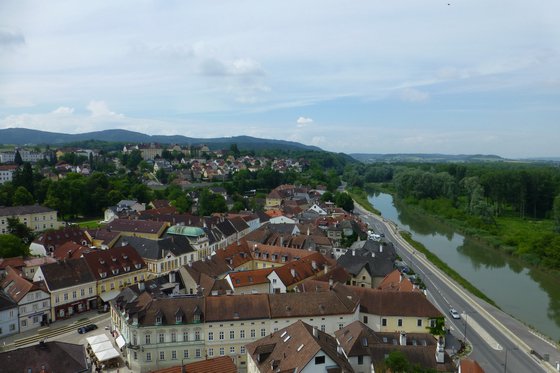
<point x="432" y="257"/>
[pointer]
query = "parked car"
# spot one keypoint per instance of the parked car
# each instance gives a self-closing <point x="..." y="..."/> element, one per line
<point x="453" y="312"/>
<point x="87" y="328"/>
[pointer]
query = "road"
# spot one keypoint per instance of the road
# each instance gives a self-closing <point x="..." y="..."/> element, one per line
<point x="494" y="346"/>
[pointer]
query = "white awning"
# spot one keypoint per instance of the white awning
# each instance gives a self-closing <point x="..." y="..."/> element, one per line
<point x="120" y="341"/>
<point x="97" y="339"/>
<point x="109" y="295"/>
<point x="98" y="347"/>
<point x="107" y="354"/>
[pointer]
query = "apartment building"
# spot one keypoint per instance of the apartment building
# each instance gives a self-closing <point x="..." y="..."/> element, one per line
<point x="36" y="217"/>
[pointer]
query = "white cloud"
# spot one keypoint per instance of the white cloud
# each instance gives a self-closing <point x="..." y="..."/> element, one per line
<point x="9" y="38"/>
<point x="63" y="110"/>
<point x="100" y="109"/>
<point x="414" y="95"/>
<point x="303" y="121"/>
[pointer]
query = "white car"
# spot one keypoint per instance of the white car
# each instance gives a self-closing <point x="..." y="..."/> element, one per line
<point x="453" y="312"/>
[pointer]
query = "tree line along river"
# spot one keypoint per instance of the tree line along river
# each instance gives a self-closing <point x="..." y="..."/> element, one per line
<point x="529" y="294"/>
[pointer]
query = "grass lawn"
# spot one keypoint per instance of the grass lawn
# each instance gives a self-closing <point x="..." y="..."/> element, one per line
<point x="93" y="223"/>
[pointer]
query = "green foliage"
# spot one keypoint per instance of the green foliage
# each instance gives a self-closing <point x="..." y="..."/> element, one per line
<point x="209" y="203"/>
<point x="12" y="246"/>
<point x="18" y="160"/>
<point x="327" y="197"/>
<point x="556" y="213"/>
<point x="438" y="327"/>
<point x="397" y="362"/>
<point x="22" y="197"/>
<point x="20" y="230"/>
<point x="344" y="200"/>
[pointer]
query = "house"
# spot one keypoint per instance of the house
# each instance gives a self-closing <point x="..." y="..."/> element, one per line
<point x="367" y="350"/>
<point x="7" y="173"/>
<point x="102" y="238"/>
<point x="9" y="320"/>
<point x="37" y="218"/>
<point x="156" y="328"/>
<point x="368" y="262"/>
<point x="114" y="269"/>
<point x="163" y="255"/>
<point x="288" y="276"/>
<point x="138" y="228"/>
<point x="469" y="366"/>
<point x="249" y="282"/>
<point x="299" y="347"/>
<point x="124" y="208"/>
<point x="197" y="237"/>
<point x="55" y="356"/>
<point x="71" y="285"/>
<point x="32" y="264"/>
<point x="48" y="241"/>
<point x="317" y="209"/>
<point x="222" y="364"/>
<point x="33" y="301"/>
<point x="396" y="281"/>
<point x="70" y="250"/>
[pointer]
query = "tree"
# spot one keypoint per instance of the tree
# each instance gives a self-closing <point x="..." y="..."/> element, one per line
<point x="327" y="197"/>
<point x="12" y="246"/>
<point x="234" y="150"/>
<point x="18" y="160"/>
<point x="20" y="230"/>
<point x="208" y="203"/>
<point x="343" y="200"/>
<point x="22" y="197"/>
<point x="556" y="213"/>
<point x="397" y="362"/>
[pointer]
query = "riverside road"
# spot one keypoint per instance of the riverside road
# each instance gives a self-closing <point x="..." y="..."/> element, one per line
<point x="499" y="342"/>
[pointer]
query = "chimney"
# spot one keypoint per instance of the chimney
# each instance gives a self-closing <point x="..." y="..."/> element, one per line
<point x="380" y="248"/>
<point x="293" y="271"/>
<point x="281" y="240"/>
<point x="331" y="283"/>
<point x="373" y="255"/>
<point x="440" y="352"/>
<point x="314" y="264"/>
<point x="171" y="277"/>
<point x="315" y="332"/>
<point x="402" y="339"/>
<point x="141" y="286"/>
<point x="353" y="252"/>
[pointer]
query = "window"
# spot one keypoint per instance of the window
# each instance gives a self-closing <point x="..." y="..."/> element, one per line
<point x="263" y="332"/>
<point x="173" y="355"/>
<point x="90" y="291"/>
<point x="210" y="352"/>
<point x="161" y="338"/>
<point x="162" y="355"/>
<point x="82" y="292"/>
<point x="419" y="322"/>
<point x="148" y="356"/>
<point x="222" y="351"/>
<point x="365" y="319"/>
<point x="23" y="323"/>
<point x="221" y="335"/>
<point x="158" y="320"/>
<point x="399" y="322"/>
<point x="173" y="337"/>
<point x="178" y="319"/>
<point x="232" y="350"/>
<point x="383" y="322"/>
<point x="185" y="354"/>
<point x="185" y="336"/>
<point x="242" y="350"/>
<point x="252" y="333"/>
<point x="242" y="334"/>
<point x="148" y="339"/>
<point x="360" y="360"/>
<point x="65" y="296"/>
<point x="210" y="336"/>
<point x="135" y="355"/>
<point x="57" y="299"/>
<point x="197" y="335"/>
<point x="197" y="352"/>
<point x="231" y="334"/>
<point x="319" y="360"/>
<point x="340" y="326"/>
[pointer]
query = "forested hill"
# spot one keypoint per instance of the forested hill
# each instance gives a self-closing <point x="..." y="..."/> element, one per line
<point x="25" y="136"/>
<point x="435" y="158"/>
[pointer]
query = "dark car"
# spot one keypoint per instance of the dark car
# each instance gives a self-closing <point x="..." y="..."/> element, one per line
<point x="87" y="328"/>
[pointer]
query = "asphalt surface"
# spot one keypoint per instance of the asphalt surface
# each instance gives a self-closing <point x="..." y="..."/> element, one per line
<point x="498" y="342"/>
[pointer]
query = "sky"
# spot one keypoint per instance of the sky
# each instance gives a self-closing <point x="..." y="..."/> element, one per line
<point x="405" y="76"/>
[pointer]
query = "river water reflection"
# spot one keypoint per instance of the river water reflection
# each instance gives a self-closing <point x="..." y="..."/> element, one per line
<point x="526" y="293"/>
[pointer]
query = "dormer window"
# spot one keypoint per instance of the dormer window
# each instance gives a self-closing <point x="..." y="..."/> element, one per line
<point x="114" y="259"/>
<point x="116" y="271"/>
<point x="196" y="318"/>
<point x="178" y="319"/>
<point x="138" y="266"/>
<point x="103" y="274"/>
<point x="126" y="268"/>
<point x="101" y="261"/>
<point x="158" y="320"/>
<point x="125" y="256"/>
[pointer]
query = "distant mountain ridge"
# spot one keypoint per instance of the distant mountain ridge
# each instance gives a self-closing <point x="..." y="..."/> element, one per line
<point x="26" y="136"/>
<point x="416" y="157"/>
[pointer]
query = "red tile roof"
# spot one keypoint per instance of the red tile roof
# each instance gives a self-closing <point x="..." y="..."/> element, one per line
<point x="222" y="364"/>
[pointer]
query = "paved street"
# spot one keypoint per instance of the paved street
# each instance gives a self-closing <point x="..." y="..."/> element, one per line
<point x="499" y="342"/>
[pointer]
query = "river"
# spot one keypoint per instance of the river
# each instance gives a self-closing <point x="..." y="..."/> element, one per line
<point x="528" y="294"/>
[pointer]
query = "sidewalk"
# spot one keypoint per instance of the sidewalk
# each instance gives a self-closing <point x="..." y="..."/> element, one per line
<point x="46" y="332"/>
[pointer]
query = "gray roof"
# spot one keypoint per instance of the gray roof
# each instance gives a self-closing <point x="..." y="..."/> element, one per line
<point x="57" y="357"/>
<point x="156" y="249"/>
<point x="24" y="210"/>
<point x="67" y="273"/>
<point x="6" y="303"/>
<point x="378" y="259"/>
